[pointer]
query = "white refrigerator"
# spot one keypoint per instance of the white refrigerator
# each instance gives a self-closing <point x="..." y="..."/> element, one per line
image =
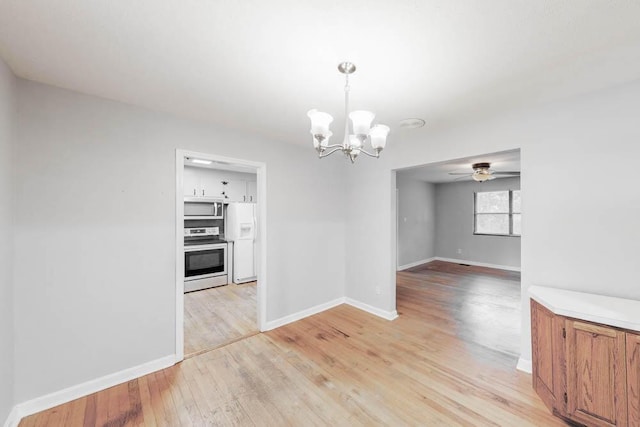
<point x="241" y="230"/>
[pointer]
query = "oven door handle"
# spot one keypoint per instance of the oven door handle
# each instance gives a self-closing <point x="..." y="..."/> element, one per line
<point x="205" y="247"/>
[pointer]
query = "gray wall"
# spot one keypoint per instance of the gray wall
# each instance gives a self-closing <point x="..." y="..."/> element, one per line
<point x="568" y="217"/>
<point x="454" y="219"/>
<point x="416" y="220"/>
<point x="95" y="232"/>
<point x="7" y="120"/>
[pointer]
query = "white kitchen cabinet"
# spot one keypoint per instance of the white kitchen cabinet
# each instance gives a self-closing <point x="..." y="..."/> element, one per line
<point x="220" y="184"/>
<point x="191" y="180"/>
<point x="235" y="191"/>
<point x="211" y="186"/>
<point x="252" y="191"/>
<point x="199" y="182"/>
<point x="240" y="191"/>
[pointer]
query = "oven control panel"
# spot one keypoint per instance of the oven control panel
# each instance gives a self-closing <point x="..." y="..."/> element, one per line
<point x="202" y="231"/>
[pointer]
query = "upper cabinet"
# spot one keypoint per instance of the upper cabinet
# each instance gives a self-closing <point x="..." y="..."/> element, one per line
<point x="252" y="191"/>
<point x="227" y="185"/>
<point x="191" y="182"/>
<point x="211" y="186"/>
<point x="240" y="191"/>
<point x="199" y="183"/>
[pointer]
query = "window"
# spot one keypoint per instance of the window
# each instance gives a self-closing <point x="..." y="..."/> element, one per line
<point x="497" y="213"/>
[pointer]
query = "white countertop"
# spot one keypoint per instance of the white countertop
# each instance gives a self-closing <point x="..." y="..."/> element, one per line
<point x="612" y="311"/>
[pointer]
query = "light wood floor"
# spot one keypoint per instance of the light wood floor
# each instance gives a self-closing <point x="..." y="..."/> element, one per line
<point x="218" y="316"/>
<point x="339" y="367"/>
<point x="482" y="304"/>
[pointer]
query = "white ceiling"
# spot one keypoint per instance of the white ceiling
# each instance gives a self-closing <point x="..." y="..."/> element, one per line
<point x="260" y="65"/>
<point x="438" y="173"/>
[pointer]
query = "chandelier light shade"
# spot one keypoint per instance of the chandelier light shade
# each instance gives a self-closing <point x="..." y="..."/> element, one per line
<point x="361" y="121"/>
<point x="378" y="135"/>
<point x="352" y="144"/>
<point x="319" y="121"/>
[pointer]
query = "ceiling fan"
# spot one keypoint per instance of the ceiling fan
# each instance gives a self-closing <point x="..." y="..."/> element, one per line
<point x="483" y="172"/>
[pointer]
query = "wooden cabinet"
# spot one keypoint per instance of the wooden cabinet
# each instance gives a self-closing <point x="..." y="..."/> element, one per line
<point x="632" y="350"/>
<point x="596" y="374"/>
<point x="547" y="339"/>
<point x="586" y="372"/>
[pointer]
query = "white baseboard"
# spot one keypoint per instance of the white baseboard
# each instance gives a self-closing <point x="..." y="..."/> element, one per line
<point x="302" y="314"/>
<point x="415" y="264"/>
<point x="13" y="419"/>
<point x="74" y="392"/>
<point x="388" y="315"/>
<point x="479" y="264"/>
<point x="524" y="365"/>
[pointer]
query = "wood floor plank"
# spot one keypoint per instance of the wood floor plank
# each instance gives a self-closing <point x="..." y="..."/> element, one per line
<point x="102" y="407"/>
<point x="90" y="412"/>
<point x="189" y="402"/>
<point x="145" y="401"/>
<point x="449" y="359"/>
<point x="77" y="410"/>
<point x="30" y="421"/>
<point x="218" y="316"/>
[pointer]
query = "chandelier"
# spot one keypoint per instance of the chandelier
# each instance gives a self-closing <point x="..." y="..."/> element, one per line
<point x="352" y="144"/>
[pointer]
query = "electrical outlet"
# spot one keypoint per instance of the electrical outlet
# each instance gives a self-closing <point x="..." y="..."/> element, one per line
<point x="378" y="290"/>
<point x="459" y="251"/>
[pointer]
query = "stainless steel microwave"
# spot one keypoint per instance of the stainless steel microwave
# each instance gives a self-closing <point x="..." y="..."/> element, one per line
<point x="201" y="208"/>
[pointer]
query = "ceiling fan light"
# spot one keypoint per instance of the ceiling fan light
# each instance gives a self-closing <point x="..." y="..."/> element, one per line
<point x="378" y="135"/>
<point x="482" y="176"/>
<point x="361" y="121"/>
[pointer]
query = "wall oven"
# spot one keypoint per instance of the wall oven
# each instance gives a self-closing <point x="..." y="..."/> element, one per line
<point x="205" y="260"/>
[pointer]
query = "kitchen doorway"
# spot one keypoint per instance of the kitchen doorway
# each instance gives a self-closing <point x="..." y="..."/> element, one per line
<point x="220" y="261"/>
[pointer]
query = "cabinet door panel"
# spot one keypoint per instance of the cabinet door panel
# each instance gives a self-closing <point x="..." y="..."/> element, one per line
<point x="252" y="191"/>
<point x="236" y="191"/>
<point x="633" y="379"/>
<point x="190" y="182"/>
<point x="547" y="344"/>
<point x="596" y="370"/>
<point x="211" y="185"/>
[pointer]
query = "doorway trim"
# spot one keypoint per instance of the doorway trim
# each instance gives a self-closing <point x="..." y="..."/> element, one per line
<point x="261" y="240"/>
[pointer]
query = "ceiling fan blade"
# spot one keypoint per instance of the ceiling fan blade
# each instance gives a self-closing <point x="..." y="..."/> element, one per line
<point x="460" y="173"/>
<point x="505" y="172"/>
